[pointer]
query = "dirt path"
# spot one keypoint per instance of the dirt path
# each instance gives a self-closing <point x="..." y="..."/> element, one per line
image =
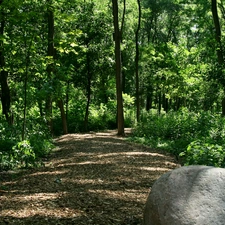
<point x="90" y="179"/>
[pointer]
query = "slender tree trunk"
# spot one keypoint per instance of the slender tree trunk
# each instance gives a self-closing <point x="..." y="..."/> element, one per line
<point x="67" y="100"/>
<point x="25" y="105"/>
<point x="149" y="101"/>
<point x="222" y="8"/>
<point x="219" y="49"/>
<point x="178" y="103"/>
<point x="159" y="102"/>
<point x="216" y="21"/>
<point x="170" y="103"/>
<point x="103" y="88"/>
<point x="27" y="63"/>
<point x="137" y="62"/>
<point x="50" y="70"/>
<point x="50" y="67"/>
<point x="25" y="94"/>
<point x="123" y="20"/>
<point x="165" y="103"/>
<point x="122" y="53"/>
<point x="87" y="106"/>
<point x="5" y="91"/>
<point x="88" y="93"/>
<point x="117" y="39"/>
<point x="223" y="106"/>
<point x="63" y="116"/>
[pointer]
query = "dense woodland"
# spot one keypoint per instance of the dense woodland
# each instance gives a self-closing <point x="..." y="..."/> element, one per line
<point x="78" y="66"/>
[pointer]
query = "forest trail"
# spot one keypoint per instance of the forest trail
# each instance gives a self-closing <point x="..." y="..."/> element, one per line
<point x="89" y="179"/>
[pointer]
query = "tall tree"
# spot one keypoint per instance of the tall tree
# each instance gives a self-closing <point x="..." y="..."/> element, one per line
<point x="5" y="91"/>
<point x="50" y="66"/>
<point x="88" y="88"/>
<point x="117" y="39"/>
<point x="27" y="47"/>
<point x="219" y="49"/>
<point x="216" y="21"/>
<point x="51" y="70"/>
<point x="137" y="62"/>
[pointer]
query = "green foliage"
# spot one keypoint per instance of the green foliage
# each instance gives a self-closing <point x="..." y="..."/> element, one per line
<point x="104" y="116"/>
<point x="23" y="154"/>
<point x="201" y="153"/>
<point x="178" y="68"/>
<point x="6" y="146"/>
<point x="129" y="110"/>
<point x="19" y="155"/>
<point x="194" y="138"/>
<point x="101" y="117"/>
<point x="15" y="153"/>
<point x="40" y="144"/>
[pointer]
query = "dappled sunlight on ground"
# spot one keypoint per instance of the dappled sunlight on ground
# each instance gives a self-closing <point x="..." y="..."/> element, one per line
<point x="91" y="179"/>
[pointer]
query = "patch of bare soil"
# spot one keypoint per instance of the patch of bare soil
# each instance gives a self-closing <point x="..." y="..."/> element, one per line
<point x="91" y="179"/>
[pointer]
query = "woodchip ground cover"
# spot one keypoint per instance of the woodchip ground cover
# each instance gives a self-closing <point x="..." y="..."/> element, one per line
<point x="91" y="179"/>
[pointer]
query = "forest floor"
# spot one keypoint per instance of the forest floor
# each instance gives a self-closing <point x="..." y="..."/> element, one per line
<point x="89" y="179"/>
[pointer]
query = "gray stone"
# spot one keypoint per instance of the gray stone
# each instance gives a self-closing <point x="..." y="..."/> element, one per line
<point x="190" y="195"/>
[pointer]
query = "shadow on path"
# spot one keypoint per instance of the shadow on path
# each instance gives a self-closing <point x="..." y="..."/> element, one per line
<point x="91" y="179"/>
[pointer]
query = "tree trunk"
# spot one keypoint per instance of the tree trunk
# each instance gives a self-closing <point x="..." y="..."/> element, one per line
<point x="48" y="112"/>
<point x="63" y="116"/>
<point x="149" y="101"/>
<point x="219" y="49"/>
<point x="122" y="53"/>
<point x="165" y="103"/>
<point x="137" y="62"/>
<point x="67" y="100"/>
<point x="117" y="39"/>
<point x="88" y="89"/>
<point x="178" y="103"/>
<point x="5" y="91"/>
<point x="223" y="107"/>
<point x="159" y="102"/>
<point x="25" y="91"/>
<point x="50" y="67"/>
<point x="216" y="21"/>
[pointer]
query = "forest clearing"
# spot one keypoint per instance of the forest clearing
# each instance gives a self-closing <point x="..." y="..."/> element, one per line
<point x="91" y="179"/>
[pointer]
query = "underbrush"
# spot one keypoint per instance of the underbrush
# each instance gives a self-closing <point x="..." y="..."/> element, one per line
<point x="194" y="138"/>
<point x="101" y="116"/>
<point x="18" y="153"/>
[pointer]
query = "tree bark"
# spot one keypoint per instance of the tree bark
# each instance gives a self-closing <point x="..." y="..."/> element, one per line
<point x="159" y="102"/>
<point x="50" y="67"/>
<point x="5" y="91"/>
<point x="216" y="21"/>
<point x="165" y="103"/>
<point x="223" y="107"/>
<point x="88" y="89"/>
<point x="25" y="91"/>
<point x="149" y="101"/>
<point x="117" y="39"/>
<point x="137" y="62"/>
<point x="123" y="19"/>
<point x="63" y="116"/>
<point x="219" y="49"/>
<point x="122" y="53"/>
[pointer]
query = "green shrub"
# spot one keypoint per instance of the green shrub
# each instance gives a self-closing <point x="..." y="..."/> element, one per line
<point x="40" y="145"/>
<point x="23" y="154"/>
<point x="179" y="132"/>
<point x="200" y="153"/>
<point x="6" y="146"/>
<point x="15" y="153"/>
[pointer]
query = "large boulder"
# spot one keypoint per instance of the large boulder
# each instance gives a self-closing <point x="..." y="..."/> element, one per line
<point x="190" y="195"/>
